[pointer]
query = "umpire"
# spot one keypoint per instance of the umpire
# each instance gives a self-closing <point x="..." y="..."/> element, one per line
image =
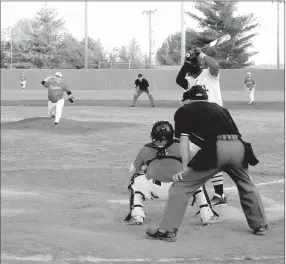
<point x="212" y="128"/>
<point x="142" y="86"/>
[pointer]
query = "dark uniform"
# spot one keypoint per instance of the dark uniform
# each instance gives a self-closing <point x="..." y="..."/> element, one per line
<point x="143" y="87"/>
<point x="212" y="128"/>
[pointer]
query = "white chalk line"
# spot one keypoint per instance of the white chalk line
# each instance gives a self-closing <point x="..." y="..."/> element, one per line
<point x="8" y="193"/>
<point x="46" y="258"/>
<point x="233" y="188"/>
<point x="257" y="184"/>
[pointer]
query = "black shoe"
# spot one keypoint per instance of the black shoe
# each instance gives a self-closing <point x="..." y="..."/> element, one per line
<point x="218" y="200"/>
<point x="260" y="231"/>
<point x="157" y="234"/>
<point x="52" y="116"/>
<point x="132" y="106"/>
<point x="56" y="124"/>
<point x="153" y="105"/>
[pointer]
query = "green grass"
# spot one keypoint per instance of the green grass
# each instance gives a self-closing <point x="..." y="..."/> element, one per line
<point x="70" y="172"/>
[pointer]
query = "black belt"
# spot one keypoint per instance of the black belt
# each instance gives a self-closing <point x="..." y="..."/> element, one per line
<point x="227" y="137"/>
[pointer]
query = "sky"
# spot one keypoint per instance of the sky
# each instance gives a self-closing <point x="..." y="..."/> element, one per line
<point x="116" y="23"/>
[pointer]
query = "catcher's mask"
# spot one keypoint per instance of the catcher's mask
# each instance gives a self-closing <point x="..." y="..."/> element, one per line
<point x="162" y="130"/>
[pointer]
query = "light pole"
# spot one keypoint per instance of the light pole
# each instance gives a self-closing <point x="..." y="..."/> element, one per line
<point x="278" y="32"/>
<point x="86" y="40"/>
<point x="150" y="12"/>
<point x="183" y="34"/>
<point x="11" y="48"/>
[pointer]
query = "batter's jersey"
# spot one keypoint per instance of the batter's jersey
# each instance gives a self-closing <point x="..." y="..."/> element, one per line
<point x="56" y="89"/>
<point x="211" y="82"/>
<point x="160" y="169"/>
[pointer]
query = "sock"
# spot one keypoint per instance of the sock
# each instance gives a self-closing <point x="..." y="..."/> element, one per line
<point x="217" y="181"/>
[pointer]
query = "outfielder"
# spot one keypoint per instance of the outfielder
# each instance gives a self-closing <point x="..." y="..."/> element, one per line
<point x="142" y="86"/>
<point x="193" y="73"/>
<point x="249" y="86"/>
<point x="212" y="128"/>
<point x="56" y="89"/>
<point x="23" y="81"/>
<point x="161" y="160"/>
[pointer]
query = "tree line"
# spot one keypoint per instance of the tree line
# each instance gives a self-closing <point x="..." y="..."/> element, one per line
<point x="44" y="42"/>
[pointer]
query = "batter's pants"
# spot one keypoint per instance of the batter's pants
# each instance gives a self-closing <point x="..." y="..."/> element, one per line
<point x="56" y="109"/>
<point x="230" y="155"/>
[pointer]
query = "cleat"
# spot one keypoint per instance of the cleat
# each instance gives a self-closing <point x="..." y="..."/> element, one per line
<point x="135" y="220"/>
<point x="131" y="106"/>
<point x="52" y="116"/>
<point x="153" y="106"/>
<point x="213" y="220"/>
<point x="56" y="124"/>
<point x="260" y="231"/>
<point x="157" y="234"/>
<point x="218" y="200"/>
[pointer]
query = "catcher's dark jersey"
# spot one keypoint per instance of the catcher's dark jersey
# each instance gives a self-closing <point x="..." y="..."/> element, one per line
<point x="143" y="85"/>
<point x="161" y="170"/>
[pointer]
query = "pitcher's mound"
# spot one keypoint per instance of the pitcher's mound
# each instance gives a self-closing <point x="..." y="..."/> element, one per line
<point x="67" y="126"/>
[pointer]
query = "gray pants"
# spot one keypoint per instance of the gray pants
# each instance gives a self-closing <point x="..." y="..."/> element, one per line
<point x="230" y="155"/>
<point x="139" y="92"/>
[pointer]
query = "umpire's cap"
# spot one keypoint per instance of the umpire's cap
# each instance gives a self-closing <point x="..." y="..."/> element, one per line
<point x="197" y="92"/>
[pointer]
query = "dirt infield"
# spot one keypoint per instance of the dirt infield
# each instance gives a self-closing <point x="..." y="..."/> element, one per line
<point x="56" y="184"/>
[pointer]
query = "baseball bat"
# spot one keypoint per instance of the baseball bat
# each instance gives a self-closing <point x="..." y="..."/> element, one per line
<point x="218" y="41"/>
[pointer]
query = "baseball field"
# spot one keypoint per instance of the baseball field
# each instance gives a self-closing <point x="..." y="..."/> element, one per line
<point x="64" y="189"/>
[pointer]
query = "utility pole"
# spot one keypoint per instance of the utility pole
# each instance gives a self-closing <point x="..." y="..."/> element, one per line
<point x="183" y="34"/>
<point x="11" y="48"/>
<point x="86" y="40"/>
<point x="150" y="12"/>
<point x="278" y="32"/>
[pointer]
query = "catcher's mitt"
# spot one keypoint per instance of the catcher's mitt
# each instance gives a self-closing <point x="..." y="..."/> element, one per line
<point x="71" y="99"/>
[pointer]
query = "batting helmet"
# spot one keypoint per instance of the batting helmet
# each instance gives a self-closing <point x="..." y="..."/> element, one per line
<point x="162" y="130"/>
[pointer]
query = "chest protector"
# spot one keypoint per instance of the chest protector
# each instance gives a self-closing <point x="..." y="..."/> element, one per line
<point x="162" y="151"/>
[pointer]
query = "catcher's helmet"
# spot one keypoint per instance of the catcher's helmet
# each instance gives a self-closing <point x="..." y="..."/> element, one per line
<point x="162" y="130"/>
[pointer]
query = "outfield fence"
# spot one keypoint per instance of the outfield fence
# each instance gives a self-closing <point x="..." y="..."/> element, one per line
<point x="118" y="79"/>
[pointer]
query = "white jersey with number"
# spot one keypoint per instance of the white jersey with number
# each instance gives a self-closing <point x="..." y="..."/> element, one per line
<point x="211" y="83"/>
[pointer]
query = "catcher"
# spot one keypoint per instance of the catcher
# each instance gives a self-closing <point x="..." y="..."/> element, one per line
<point x="160" y="160"/>
<point x="56" y="89"/>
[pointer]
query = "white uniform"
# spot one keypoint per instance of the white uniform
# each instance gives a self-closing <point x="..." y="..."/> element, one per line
<point x="211" y="83"/>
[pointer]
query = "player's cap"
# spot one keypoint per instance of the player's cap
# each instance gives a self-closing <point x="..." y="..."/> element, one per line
<point x="59" y="74"/>
<point x="197" y="92"/>
<point x="249" y="73"/>
<point x="140" y="75"/>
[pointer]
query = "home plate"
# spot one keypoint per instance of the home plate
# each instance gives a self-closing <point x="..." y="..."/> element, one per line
<point x="125" y="201"/>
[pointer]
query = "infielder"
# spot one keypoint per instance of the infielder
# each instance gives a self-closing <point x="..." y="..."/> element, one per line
<point x="249" y="86"/>
<point x="161" y="160"/>
<point x="56" y="89"/>
<point x="23" y="81"/>
<point x="212" y="128"/>
<point x="192" y="73"/>
<point x="142" y="86"/>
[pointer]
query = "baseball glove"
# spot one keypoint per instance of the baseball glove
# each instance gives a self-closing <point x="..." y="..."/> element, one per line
<point x="71" y="99"/>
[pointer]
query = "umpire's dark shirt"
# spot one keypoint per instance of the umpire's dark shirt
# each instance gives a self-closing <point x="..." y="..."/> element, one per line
<point x="203" y="122"/>
<point x="143" y="85"/>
